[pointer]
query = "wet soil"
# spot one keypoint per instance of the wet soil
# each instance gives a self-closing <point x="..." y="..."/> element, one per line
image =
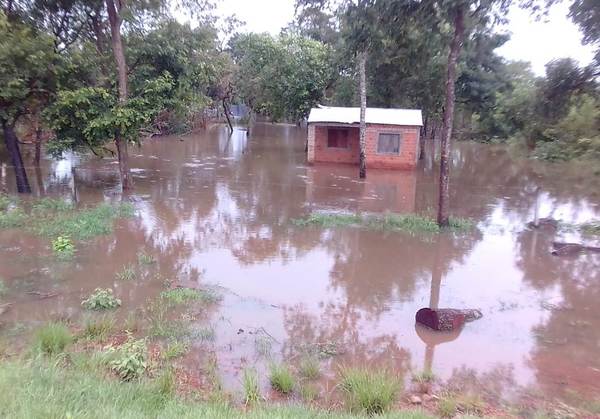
<point x="216" y="211"/>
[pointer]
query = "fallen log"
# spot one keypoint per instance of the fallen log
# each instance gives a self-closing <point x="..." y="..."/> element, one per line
<point x="446" y="319"/>
<point x="543" y="222"/>
<point x="569" y="249"/>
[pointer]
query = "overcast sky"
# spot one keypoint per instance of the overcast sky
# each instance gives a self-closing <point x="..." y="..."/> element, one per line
<point x="537" y="42"/>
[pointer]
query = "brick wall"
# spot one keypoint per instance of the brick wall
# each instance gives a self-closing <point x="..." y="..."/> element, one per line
<point x="407" y="159"/>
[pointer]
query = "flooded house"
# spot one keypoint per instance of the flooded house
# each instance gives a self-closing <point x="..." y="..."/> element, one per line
<point x="392" y="136"/>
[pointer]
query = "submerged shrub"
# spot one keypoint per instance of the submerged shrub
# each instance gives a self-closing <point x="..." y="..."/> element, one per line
<point x="372" y="392"/>
<point x="281" y="378"/>
<point x="128" y="361"/>
<point x="146" y="259"/>
<point x="52" y="338"/>
<point x="101" y="299"/>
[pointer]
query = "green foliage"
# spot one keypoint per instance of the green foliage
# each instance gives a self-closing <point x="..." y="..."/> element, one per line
<point x="425" y="376"/>
<point x="174" y="349"/>
<point x="372" y="392"/>
<point x="283" y="77"/>
<point x="410" y="223"/>
<point x="128" y="361"/>
<point x="87" y="118"/>
<point x="251" y="386"/>
<point x="63" y="247"/>
<point x="309" y="367"/>
<point x="101" y="299"/>
<point x="591" y="227"/>
<point x="145" y="259"/>
<point x="12" y="218"/>
<point x="447" y="407"/>
<point x="3" y="288"/>
<point x="178" y="296"/>
<point x="42" y="389"/>
<point x="98" y="327"/>
<point x="127" y="273"/>
<point x="281" y="378"/>
<point x="52" y="338"/>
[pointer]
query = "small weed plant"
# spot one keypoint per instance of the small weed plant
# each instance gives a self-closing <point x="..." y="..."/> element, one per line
<point x="128" y="361"/>
<point x="281" y="378"/>
<point x="127" y="273"/>
<point x="175" y="349"/>
<point x="145" y="258"/>
<point x="63" y="247"/>
<point x="251" y="386"/>
<point x="98" y="328"/>
<point x="101" y="299"/>
<point x="52" y="338"/>
<point x="371" y="392"/>
<point x="309" y="367"/>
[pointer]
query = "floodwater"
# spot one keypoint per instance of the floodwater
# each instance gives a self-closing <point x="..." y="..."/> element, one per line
<point x="216" y="211"/>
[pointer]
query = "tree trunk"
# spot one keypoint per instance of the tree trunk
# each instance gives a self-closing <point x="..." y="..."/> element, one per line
<point x="455" y="47"/>
<point x="12" y="146"/>
<point x="423" y="134"/>
<point x="227" y="116"/>
<point x="362" y="163"/>
<point x="115" y="21"/>
<point x="38" y="145"/>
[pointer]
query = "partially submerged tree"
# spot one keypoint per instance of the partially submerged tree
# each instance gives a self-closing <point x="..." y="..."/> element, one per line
<point x="27" y="72"/>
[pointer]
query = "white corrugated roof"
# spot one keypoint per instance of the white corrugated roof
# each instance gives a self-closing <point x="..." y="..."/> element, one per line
<point x="373" y="116"/>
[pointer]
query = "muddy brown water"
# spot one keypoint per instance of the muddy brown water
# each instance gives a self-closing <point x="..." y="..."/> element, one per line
<point x="216" y="211"/>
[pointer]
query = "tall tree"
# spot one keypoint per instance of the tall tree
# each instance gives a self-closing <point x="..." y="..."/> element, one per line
<point x="114" y="9"/>
<point x="458" y="13"/>
<point x="362" y="74"/>
<point x="27" y="72"/>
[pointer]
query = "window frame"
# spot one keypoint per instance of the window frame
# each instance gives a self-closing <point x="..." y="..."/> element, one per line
<point x="346" y="130"/>
<point x="389" y="153"/>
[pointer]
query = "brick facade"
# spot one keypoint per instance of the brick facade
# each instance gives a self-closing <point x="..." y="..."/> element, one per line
<point x="318" y="151"/>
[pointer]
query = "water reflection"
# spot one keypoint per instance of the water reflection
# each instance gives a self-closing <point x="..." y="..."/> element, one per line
<point x="216" y="209"/>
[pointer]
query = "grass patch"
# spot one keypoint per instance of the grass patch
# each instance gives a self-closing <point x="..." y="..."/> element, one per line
<point x="410" y="223"/>
<point x="371" y="392"/>
<point x="309" y="392"/>
<point x="174" y="349"/>
<point x="281" y="378"/>
<point x="177" y="296"/>
<point x="3" y="288"/>
<point x="309" y="367"/>
<point x="101" y="299"/>
<point x="160" y="325"/>
<point x="41" y="389"/>
<point x="52" y="338"/>
<point x="425" y="376"/>
<point x="447" y="408"/>
<point x="591" y="228"/>
<point x="127" y="273"/>
<point x="251" y="386"/>
<point x="145" y="258"/>
<point x="98" y="327"/>
<point x="55" y="217"/>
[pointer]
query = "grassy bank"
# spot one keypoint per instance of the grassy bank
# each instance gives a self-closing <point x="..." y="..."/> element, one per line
<point x="41" y="388"/>
<point x="410" y="223"/>
<point x="55" y="217"/>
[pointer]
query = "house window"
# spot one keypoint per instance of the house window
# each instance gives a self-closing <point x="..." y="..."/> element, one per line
<point x="388" y="144"/>
<point x="337" y="138"/>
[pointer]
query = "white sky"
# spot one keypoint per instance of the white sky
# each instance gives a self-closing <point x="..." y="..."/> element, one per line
<point x="537" y="42"/>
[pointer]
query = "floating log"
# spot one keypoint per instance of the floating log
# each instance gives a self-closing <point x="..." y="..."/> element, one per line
<point x="569" y="249"/>
<point x="543" y="222"/>
<point x="446" y="319"/>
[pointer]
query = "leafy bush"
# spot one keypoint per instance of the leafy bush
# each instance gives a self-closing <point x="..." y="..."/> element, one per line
<point x="101" y="299"/>
<point x="52" y="338"/>
<point x="128" y="361"/>
<point x="63" y="247"/>
<point x="281" y="378"/>
<point x="372" y="392"/>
